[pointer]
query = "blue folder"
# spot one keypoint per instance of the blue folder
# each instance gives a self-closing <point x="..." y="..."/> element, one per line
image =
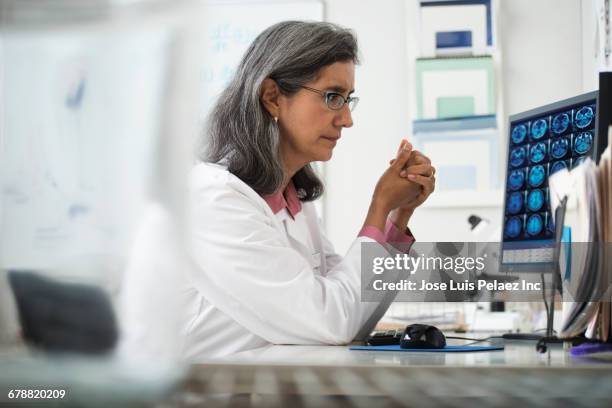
<point x="447" y="349"/>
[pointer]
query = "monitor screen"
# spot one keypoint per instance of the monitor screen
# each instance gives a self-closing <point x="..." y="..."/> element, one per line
<point x="541" y="141"/>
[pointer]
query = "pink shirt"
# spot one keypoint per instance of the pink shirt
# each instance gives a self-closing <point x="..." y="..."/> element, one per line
<point x="286" y="199"/>
<point x="289" y="199"/>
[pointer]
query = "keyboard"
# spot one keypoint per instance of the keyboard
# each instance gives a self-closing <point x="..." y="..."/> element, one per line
<point x="385" y="338"/>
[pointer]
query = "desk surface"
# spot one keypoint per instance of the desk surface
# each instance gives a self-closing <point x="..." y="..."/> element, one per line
<point x="515" y="354"/>
<point x="329" y="376"/>
<point x="336" y="376"/>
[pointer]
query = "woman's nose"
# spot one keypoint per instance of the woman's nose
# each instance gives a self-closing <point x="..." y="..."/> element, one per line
<point x="345" y="118"/>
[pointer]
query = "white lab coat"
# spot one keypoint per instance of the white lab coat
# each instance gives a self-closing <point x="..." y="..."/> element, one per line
<point x="259" y="278"/>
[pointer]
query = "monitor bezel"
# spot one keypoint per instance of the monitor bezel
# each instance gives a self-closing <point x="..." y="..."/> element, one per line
<point x="539" y="267"/>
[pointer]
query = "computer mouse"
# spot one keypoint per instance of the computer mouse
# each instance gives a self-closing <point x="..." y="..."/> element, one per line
<point x="422" y="336"/>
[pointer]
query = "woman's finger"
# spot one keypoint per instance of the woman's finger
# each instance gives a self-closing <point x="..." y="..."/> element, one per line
<point x="410" y="162"/>
<point x="419" y="158"/>
<point x="421" y="169"/>
<point x="402" y="158"/>
<point x="401" y="146"/>
<point x="429" y="188"/>
<point x="404" y="146"/>
<point x="426" y="182"/>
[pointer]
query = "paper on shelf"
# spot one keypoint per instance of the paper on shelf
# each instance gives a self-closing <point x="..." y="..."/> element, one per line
<point x="460" y="18"/>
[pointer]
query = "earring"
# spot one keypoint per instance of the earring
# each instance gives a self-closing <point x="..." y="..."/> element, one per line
<point x="275" y="119"/>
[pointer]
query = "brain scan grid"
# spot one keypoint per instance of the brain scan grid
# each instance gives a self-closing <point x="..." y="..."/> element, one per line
<point x="539" y="147"/>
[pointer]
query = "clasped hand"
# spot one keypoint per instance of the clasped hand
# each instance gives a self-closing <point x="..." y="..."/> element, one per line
<point x="408" y="181"/>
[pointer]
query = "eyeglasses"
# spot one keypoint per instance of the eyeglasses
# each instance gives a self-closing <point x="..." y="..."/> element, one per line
<point x="334" y="100"/>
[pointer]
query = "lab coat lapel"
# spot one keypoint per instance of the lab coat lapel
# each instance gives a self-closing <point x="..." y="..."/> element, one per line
<point x="299" y="236"/>
<point x="296" y="230"/>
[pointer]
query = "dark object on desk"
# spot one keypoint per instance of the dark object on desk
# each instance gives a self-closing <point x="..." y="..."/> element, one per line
<point x="542" y="344"/>
<point x="63" y="317"/>
<point x="522" y="336"/>
<point x="498" y="307"/>
<point x="447" y="349"/>
<point x="385" y="338"/>
<point x="422" y="336"/>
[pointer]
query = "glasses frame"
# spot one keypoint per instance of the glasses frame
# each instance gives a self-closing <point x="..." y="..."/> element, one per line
<point x="326" y="95"/>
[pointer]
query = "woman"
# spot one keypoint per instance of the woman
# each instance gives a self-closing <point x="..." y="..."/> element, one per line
<point x="264" y="272"/>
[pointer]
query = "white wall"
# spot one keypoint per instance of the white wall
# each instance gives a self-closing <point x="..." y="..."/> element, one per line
<point x="590" y="75"/>
<point x="380" y="120"/>
<point x="541" y="42"/>
<point x="541" y="63"/>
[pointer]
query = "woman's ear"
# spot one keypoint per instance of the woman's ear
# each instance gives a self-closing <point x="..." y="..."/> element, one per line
<point x="269" y="95"/>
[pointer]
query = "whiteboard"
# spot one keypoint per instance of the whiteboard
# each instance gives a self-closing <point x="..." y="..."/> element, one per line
<point x="232" y="26"/>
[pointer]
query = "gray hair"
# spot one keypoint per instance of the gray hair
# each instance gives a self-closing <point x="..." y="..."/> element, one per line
<point x="241" y="133"/>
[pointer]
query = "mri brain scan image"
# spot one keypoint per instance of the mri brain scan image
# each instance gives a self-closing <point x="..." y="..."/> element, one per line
<point x="515" y="203"/>
<point x="535" y="224"/>
<point x="535" y="200"/>
<point x="560" y="123"/>
<point x="584" y="117"/>
<point x="537" y="152"/>
<point x="542" y="142"/>
<point x="518" y="134"/>
<point x="537" y="175"/>
<point x="559" y="148"/>
<point x="517" y="156"/>
<point x="516" y="179"/>
<point x="513" y="227"/>
<point x="538" y="129"/>
<point x="583" y="142"/>
<point x="556" y="166"/>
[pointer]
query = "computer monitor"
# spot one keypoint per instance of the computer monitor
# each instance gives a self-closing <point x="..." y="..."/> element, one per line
<point x="541" y="141"/>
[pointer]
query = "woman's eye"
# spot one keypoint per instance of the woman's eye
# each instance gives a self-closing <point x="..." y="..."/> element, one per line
<point x="335" y="100"/>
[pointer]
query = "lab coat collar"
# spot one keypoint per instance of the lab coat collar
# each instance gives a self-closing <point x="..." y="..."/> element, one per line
<point x="285" y="199"/>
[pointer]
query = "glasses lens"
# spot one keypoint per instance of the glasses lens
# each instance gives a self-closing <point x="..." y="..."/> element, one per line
<point x="335" y="101"/>
<point x="352" y="103"/>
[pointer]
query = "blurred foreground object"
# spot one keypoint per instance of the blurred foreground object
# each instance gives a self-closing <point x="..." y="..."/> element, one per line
<point x="63" y="317"/>
<point x="98" y="110"/>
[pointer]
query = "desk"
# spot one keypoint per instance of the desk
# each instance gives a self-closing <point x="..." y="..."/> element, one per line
<point x="516" y="353"/>
<point x="322" y="376"/>
<point x="335" y="376"/>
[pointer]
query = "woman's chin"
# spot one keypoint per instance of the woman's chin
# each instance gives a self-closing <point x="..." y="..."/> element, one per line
<point x="321" y="155"/>
<point x="325" y="156"/>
